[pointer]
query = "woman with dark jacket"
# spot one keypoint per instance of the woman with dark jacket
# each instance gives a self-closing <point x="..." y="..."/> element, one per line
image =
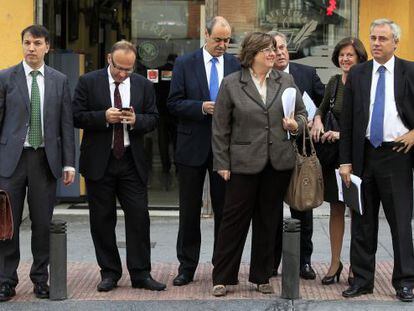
<point x="253" y="153"/>
<point x="348" y="52"/>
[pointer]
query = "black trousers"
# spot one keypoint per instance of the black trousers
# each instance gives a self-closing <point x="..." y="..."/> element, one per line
<point x="257" y="198"/>
<point x="306" y="232"/>
<point x="191" y="181"/>
<point x="121" y="180"/>
<point x="33" y="175"/>
<point x="387" y="178"/>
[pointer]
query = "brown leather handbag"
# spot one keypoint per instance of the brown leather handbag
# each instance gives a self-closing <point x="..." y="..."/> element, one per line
<point x="6" y="217"/>
<point x="306" y="189"/>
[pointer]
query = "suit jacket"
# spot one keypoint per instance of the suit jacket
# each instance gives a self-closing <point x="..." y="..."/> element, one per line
<point x="355" y="110"/>
<point x="58" y="129"/>
<point x="308" y="81"/>
<point x="91" y="100"/>
<point x="246" y="132"/>
<point x="189" y="88"/>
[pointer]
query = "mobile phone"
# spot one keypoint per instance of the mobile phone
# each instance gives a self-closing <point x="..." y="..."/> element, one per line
<point x="126" y="109"/>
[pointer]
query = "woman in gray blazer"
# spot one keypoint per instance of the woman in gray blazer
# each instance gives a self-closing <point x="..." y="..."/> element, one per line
<point x="253" y="153"/>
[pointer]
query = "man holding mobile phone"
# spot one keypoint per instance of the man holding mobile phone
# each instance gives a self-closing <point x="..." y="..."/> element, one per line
<point x="115" y="108"/>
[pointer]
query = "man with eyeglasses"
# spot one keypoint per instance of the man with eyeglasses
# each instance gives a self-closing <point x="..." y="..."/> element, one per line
<point x="115" y="108"/>
<point x="194" y="87"/>
<point x="307" y="81"/>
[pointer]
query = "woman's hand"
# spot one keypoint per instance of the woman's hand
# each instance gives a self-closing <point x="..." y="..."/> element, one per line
<point x="317" y="128"/>
<point x="290" y="124"/>
<point x="225" y="174"/>
<point x="330" y="136"/>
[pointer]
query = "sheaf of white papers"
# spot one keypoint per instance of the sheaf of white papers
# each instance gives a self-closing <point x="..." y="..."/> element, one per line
<point x="310" y="106"/>
<point x="356" y="181"/>
<point x="289" y="101"/>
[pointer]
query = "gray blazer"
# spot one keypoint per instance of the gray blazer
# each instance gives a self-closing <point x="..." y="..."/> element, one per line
<point x="246" y="132"/>
<point x="15" y="114"/>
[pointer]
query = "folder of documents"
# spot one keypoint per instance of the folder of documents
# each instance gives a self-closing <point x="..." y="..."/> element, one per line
<point x="351" y="196"/>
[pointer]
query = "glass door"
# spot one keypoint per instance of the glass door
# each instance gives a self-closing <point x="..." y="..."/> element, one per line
<point x="162" y="31"/>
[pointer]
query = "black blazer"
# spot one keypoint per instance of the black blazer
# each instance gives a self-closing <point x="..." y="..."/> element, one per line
<point x="189" y="88"/>
<point x="308" y="81"/>
<point x="91" y="100"/>
<point x="355" y="110"/>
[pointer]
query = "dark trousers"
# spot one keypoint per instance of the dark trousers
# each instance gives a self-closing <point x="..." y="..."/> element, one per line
<point x="191" y="181"/>
<point x="257" y="198"/>
<point x="121" y="180"/>
<point x="306" y="232"/>
<point x="33" y="175"/>
<point x="167" y="135"/>
<point x="387" y="178"/>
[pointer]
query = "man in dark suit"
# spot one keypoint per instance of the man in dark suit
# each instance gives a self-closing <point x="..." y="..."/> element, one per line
<point x="376" y="138"/>
<point x="307" y="81"/>
<point x="194" y="87"/>
<point x="115" y="108"/>
<point x="36" y="142"/>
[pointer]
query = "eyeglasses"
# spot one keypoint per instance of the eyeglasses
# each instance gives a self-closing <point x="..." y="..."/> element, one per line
<point x="268" y="51"/>
<point x="128" y="71"/>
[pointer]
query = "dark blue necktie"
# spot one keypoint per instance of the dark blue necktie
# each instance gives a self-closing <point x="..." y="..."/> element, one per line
<point x="214" y="81"/>
<point x="376" y="134"/>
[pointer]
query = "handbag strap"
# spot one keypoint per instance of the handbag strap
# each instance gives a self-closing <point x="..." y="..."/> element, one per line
<point x="334" y="90"/>
<point x="305" y="134"/>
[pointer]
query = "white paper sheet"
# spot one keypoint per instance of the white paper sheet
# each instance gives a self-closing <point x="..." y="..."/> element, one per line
<point x="289" y="101"/>
<point x="310" y="106"/>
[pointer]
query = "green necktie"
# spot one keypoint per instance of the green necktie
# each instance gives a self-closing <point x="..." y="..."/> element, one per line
<point x="35" y="130"/>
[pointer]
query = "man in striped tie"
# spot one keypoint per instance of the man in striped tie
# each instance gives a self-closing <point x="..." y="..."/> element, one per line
<point x="377" y="135"/>
<point x="194" y="87"/>
<point x="36" y="148"/>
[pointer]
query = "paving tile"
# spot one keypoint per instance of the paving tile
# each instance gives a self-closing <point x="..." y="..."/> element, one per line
<point x="83" y="278"/>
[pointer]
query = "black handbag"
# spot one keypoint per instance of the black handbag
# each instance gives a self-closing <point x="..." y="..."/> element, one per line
<point x="328" y="152"/>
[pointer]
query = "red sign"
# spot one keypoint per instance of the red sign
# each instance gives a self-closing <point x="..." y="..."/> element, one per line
<point x="331" y="7"/>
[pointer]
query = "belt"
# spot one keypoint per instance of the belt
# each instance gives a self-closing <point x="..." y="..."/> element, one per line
<point x="386" y="144"/>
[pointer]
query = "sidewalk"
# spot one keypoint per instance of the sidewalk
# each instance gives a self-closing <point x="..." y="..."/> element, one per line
<point x="83" y="275"/>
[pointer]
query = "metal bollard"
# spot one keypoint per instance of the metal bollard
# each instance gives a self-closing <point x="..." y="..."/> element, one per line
<point x="291" y="259"/>
<point x="58" y="260"/>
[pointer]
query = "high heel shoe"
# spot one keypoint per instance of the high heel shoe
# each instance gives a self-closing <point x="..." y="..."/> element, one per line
<point x="327" y="280"/>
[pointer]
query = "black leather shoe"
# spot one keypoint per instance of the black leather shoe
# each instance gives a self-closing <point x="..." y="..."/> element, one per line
<point x="148" y="283"/>
<point x="106" y="285"/>
<point x="405" y="294"/>
<point x="307" y="272"/>
<point x="182" y="279"/>
<point x="41" y="290"/>
<point x="355" y="291"/>
<point x="6" y="292"/>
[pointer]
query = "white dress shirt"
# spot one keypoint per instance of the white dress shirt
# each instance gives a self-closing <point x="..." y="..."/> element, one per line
<point x="286" y="69"/>
<point x="261" y="87"/>
<point x="393" y="126"/>
<point x="41" y="84"/>
<point x="207" y="65"/>
<point x="125" y="92"/>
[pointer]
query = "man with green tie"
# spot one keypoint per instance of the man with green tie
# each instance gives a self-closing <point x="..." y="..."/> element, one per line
<point x="36" y="145"/>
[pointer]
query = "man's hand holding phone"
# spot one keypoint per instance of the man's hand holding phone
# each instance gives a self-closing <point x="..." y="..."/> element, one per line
<point x="128" y="115"/>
